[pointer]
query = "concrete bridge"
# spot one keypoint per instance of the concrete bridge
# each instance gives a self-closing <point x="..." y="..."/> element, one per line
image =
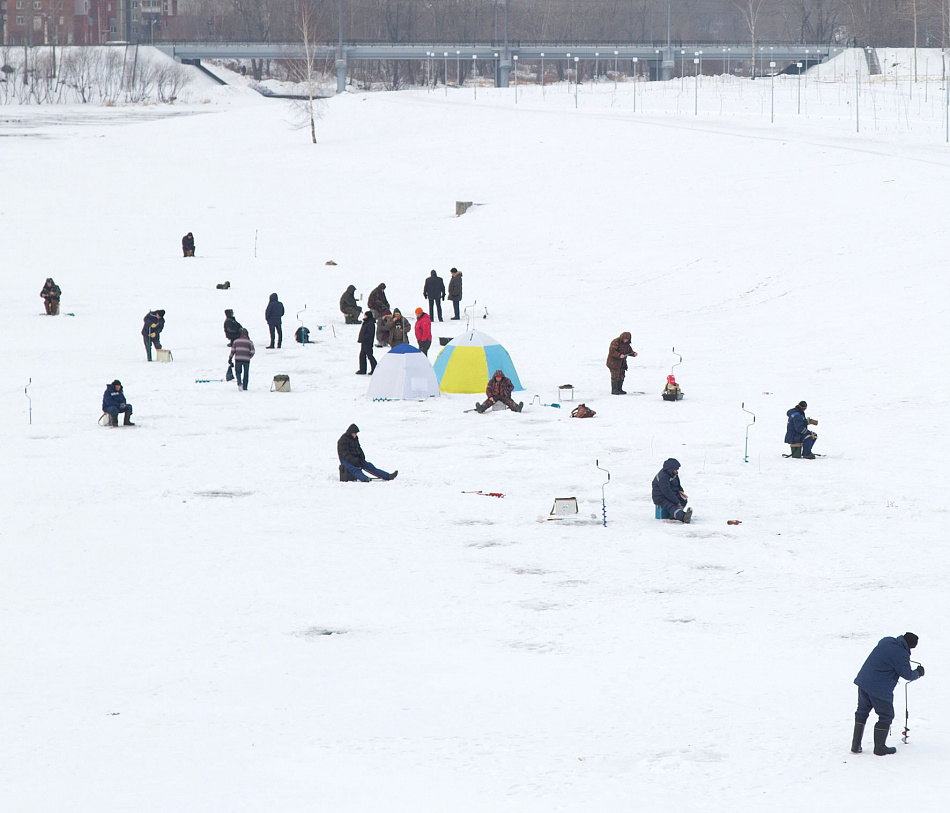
<point x="662" y="62"/>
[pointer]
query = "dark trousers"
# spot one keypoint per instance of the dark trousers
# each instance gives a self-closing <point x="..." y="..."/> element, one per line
<point x="435" y="304"/>
<point x="275" y="329"/>
<point x="148" y="345"/>
<point x="488" y="402"/>
<point x="357" y="471"/>
<point x="366" y="354"/>
<point x="242" y="371"/>
<point x="114" y="412"/>
<point x="455" y="305"/>
<point x="884" y="708"/>
<point x="424" y="346"/>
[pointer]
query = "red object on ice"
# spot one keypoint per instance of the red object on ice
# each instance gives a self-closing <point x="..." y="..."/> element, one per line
<point x="671" y="381"/>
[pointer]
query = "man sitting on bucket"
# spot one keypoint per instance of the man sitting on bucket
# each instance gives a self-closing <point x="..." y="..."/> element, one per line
<point x="499" y="389"/>
<point x="668" y="493"/>
<point x="113" y="402"/>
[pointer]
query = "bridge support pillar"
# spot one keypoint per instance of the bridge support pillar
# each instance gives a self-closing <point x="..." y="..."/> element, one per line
<point x="341" y="76"/>
<point x="668" y="65"/>
<point x="504" y="73"/>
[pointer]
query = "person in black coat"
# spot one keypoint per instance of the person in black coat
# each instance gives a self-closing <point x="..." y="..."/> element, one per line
<point x="113" y="402"/>
<point x="352" y="460"/>
<point x="232" y="327"/>
<point x="152" y="331"/>
<point x="188" y="245"/>
<point x="366" y="338"/>
<point x="434" y="291"/>
<point x="668" y="493"/>
<point x="273" y="314"/>
<point x="455" y="291"/>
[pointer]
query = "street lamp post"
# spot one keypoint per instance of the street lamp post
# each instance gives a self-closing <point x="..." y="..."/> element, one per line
<point x="475" y="74"/>
<point x="616" y="67"/>
<point x="445" y="74"/>
<point x="515" y="57"/>
<point x="458" y="69"/>
<point x="596" y="67"/>
<point x="696" y="107"/>
<point x="799" y="64"/>
<point x="542" y="74"/>
<point x="577" y="59"/>
<point x="772" y="71"/>
<point x="636" y="78"/>
<point x="568" y="71"/>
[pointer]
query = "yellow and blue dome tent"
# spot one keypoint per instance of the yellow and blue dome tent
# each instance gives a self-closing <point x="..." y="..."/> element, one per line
<point x="467" y="362"/>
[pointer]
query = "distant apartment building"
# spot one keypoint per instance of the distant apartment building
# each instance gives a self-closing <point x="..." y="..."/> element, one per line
<point x="85" y="22"/>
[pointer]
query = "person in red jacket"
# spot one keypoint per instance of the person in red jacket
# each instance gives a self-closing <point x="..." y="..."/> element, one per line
<point x="499" y="389"/>
<point x="423" y="330"/>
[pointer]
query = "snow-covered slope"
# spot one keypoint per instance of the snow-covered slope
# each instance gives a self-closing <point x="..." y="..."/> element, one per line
<point x="166" y="589"/>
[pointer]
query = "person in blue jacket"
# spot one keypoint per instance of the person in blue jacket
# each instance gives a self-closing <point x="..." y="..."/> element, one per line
<point x="888" y="661"/>
<point x="113" y="402"/>
<point x="798" y="435"/>
<point x="668" y="493"/>
<point x="273" y="315"/>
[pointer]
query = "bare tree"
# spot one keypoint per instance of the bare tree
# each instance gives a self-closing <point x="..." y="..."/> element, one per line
<point x="308" y="33"/>
<point x="751" y="11"/>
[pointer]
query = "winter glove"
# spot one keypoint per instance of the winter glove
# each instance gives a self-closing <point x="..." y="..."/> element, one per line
<point x="920" y="671"/>
<point x="813" y="422"/>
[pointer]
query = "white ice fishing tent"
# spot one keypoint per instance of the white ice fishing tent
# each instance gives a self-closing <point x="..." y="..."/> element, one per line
<point x="404" y="373"/>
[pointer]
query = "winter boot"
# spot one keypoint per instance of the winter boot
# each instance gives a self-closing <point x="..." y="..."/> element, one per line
<point x="858" y="735"/>
<point x="796" y="451"/>
<point x="808" y="457"/>
<point x="520" y="406"/>
<point x="479" y="408"/>
<point x="393" y="475"/>
<point x="615" y="388"/>
<point x="126" y="421"/>
<point x="688" y="515"/>
<point x="113" y="420"/>
<point x="880" y="741"/>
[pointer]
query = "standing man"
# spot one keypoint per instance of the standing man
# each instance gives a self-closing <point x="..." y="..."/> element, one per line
<point x="352" y="460"/>
<point x="113" y="402"/>
<point x="152" y="331"/>
<point x="423" y="330"/>
<point x="434" y="291"/>
<point x="398" y="329"/>
<point x="273" y="314"/>
<point x="888" y="661"/>
<point x="377" y="302"/>
<point x="617" y="362"/>
<point x="366" y="337"/>
<point x="798" y="436"/>
<point x="51" y="294"/>
<point x="242" y="351"/>
<point x="668" y="493"/>
<point x="455" y="292"/>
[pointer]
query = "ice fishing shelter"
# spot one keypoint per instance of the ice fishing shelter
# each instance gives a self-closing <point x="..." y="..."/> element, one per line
<point x="467" y="362"/>
<point x="404" y="373"/>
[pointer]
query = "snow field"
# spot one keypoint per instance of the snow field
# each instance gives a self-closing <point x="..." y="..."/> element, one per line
<point x="167" y="588"/>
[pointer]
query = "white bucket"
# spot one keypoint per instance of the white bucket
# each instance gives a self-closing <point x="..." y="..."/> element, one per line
<point x="163" y="355"/>
<point x="281" y="383"/>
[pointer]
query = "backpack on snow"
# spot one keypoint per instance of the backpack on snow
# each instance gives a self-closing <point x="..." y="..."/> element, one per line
<point x="582" y="411"/>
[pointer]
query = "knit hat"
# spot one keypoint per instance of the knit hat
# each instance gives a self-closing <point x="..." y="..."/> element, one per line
<point x="802" y="405"/>
<point x="419" y="311"/>
<point x="911" y="639"/>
